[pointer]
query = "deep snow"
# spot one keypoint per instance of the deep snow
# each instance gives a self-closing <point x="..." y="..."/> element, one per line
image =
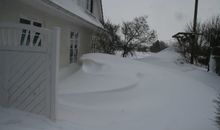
<point x="158" y="92"/>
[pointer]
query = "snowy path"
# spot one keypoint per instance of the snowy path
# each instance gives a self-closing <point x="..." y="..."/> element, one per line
<point x="113" y="93"/>
<point x="170" y="61"/>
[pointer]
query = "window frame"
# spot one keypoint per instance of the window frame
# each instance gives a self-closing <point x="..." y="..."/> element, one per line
<point x="32" y="22"/>
<point x="74" y="46"/>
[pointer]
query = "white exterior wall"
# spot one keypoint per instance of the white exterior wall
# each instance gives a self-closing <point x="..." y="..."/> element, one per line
<point x="12" y="10"/>
<point x="97" y="11"/>
<point x="96" y="7"/>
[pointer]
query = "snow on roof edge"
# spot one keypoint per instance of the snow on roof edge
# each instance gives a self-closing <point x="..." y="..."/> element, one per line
<point x="74" y="11"/>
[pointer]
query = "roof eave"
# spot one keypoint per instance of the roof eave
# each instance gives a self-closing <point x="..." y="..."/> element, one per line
<point x="58" y="7"/>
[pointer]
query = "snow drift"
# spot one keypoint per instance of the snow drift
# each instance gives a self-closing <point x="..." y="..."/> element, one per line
<point x="111" y="92"/>
<point x="99" y="74"/>
<point x="157" y="92"/>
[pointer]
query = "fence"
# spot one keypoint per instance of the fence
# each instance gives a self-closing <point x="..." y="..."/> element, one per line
<point x="215" y="60"/>
<point x="28" y="68"/>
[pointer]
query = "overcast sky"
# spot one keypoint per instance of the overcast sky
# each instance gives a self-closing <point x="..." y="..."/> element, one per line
<point x="167" y="17"/>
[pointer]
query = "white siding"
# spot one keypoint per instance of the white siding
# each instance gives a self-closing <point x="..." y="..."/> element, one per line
<point x="12" y="10"/>
<point x="97" y="12"/>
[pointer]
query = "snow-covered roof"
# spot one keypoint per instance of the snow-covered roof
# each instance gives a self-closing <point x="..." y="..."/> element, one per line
<point x="73" y="7"/>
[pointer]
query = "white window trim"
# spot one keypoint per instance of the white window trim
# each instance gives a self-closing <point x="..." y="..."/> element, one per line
<point x="78" y="45"/>
<point x="31" y="19"/>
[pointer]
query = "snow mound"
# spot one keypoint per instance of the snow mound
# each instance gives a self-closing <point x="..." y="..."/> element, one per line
<point x="106" y="63"/>
<point x="110" y="92"/>
<point x="113" y="74"/>
<point x="113" y="93"/>
<point x="168" y="55"/>
<point x="168" y="58"/>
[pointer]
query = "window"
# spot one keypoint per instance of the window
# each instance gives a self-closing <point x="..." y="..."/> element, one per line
<point x="26" y="34"/>
<point x="89" y="6"/>
<point x="74" y="44"/>
<point x="25" y="21"/>
<point x="93" y="44"/>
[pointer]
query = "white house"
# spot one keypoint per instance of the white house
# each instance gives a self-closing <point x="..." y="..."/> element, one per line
<point x="38" y="38"/>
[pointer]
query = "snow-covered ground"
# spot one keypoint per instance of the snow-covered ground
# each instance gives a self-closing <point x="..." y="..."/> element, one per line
<point x="157" y="92"/>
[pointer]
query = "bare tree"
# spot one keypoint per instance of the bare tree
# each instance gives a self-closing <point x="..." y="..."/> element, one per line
<point x="208" y="37"/>
<point x="107" y="41"/>
<point x="200" y="48"/>
<point x="212" y="31"/>
<point x="212" y="35"/>
<point x="136" y="32"/>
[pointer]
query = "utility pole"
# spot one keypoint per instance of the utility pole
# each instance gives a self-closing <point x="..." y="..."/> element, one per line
<point x="194" y="42"/>
<point x="195" y="16"/>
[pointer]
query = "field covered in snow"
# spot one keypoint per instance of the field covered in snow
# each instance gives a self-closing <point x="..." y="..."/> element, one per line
<point x="156" y="92"/>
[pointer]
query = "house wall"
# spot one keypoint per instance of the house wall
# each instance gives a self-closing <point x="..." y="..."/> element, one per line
<point x="97" y="11"/>
<point x="96" y="7"/>
<point x="12" y="10"/>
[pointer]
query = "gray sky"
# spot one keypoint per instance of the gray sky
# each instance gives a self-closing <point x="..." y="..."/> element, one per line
<point x="167" y="17"/>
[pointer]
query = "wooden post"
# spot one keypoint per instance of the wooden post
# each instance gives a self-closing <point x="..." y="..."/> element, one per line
<point x="55" y="69"/>
<point x="195" y="16"/>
